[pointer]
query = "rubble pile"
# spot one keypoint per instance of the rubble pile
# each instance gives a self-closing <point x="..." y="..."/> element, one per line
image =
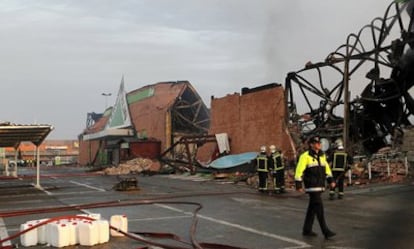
<point x="384" y="166"/>
<point x="134" y="166"/>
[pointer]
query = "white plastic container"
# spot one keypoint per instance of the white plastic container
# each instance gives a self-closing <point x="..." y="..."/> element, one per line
<point x="120" y="222"/>
<point x="72" y="232"/>
<point x="103" y="228"/>
<point x="76" y="224"/>
<point x="41" y="232"/>
<point x="88" y="233"/>
<point x="58" y="234"/>
<point x="29" y="238"/>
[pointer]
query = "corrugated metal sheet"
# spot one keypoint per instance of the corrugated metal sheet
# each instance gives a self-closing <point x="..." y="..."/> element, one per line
<point x="12" y="134"/>
<point x="98" y="126"/>
<point x="150" y="116"/>
<point x="141" y="94"/>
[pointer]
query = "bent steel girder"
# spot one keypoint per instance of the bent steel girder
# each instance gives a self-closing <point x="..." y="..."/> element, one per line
<point x="379" y="58"/>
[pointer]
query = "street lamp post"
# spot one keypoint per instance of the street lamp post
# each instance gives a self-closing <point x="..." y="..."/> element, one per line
<point x="106" y="95"/>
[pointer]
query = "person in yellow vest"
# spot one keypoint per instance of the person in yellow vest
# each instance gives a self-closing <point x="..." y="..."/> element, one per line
<point x="341" y="162"/>
<point x="312" y="171"/>
<point x="277" y="169"/>
<point x="262" y="168"/>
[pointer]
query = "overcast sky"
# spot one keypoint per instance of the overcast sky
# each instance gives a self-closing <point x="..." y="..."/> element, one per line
<point x="58" y="57"/>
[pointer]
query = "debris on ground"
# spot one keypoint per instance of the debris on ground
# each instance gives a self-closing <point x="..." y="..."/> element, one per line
<point x="126" y="184"/>
<point x="386" y="165"/>
<point x="134" y="166"/>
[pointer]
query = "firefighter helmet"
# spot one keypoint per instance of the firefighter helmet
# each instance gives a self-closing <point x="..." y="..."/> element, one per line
<point x="272" y="148"/>
<point x="339" y="144"/>
<point x="262" y="148"/>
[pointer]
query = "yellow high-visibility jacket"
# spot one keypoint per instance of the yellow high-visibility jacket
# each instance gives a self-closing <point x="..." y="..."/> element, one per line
<point x="313" y="170"/>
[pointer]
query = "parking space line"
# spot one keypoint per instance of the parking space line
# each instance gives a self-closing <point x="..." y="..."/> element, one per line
<point x="161" y="218"/>
<point x="88" y="186"/>
<point x="42" y="189"/>
<point x="300" y="244"/>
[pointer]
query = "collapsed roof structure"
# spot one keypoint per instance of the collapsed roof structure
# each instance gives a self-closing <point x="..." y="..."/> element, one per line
<point x="374" y="58"/>
<point x="157" y="114"/>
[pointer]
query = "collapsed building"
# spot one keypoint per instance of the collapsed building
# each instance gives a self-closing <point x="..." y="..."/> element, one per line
<point x="376" y="60"/>
<point x="142" y="123"/>
<point x="170" y="122"/>
<point x="169" y="119"/>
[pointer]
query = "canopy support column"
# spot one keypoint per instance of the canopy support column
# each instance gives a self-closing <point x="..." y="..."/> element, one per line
<point x="37" y="167"/>
<point x="14" y="172"/>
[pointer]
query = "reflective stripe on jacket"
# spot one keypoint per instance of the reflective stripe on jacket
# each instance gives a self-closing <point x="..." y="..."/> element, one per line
<point x="313" y="169"/>
<point x="277" y="161"/>
<point x="261" y="162"/>
<point x="339" y="161"/>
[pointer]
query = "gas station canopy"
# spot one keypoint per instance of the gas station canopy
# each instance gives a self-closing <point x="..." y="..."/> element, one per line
<point x="11" y="135"/>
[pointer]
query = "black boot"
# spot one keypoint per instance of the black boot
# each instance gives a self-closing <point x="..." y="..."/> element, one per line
<point x="329" y="234"/>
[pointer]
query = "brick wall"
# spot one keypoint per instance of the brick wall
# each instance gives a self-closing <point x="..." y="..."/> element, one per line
<point x="251" y="120"/>
<point x="89" y="151"/>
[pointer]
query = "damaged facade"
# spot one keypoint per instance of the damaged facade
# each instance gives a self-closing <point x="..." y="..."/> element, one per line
<point x="143" y="122"/>
<point x="251" y="119"/>
<point x="169" y="117"/>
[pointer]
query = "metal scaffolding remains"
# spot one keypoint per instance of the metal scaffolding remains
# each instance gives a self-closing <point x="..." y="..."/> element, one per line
<point x="374" y="60"/>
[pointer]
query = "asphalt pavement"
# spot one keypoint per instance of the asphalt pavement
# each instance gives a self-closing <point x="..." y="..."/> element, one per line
<point x="201" y="212"/>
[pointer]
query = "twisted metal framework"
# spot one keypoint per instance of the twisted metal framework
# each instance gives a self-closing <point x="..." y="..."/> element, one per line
<point x="382" y="67"/>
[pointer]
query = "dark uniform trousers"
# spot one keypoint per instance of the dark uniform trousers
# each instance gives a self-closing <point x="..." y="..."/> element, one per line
<point x="339" y="177"/>
<point x="315" y="207"/>
<point x="263" y="180"/>
<point x="280" y="179"/>
<point x="278" y="172"/>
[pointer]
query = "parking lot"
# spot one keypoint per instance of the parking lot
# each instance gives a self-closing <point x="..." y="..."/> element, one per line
<point x="205" y="213"/>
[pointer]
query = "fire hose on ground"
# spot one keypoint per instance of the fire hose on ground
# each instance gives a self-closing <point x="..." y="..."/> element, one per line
<point x="138" y="236"/>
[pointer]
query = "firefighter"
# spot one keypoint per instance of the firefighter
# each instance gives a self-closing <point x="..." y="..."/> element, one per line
<point x="262" y="168"/>
<point x="341" y="162"/>
<point x="311" y="171"/>
<point x="277" y="169"/>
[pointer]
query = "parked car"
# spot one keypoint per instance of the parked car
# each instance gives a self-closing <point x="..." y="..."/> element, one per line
<point x="21" y="163"/>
